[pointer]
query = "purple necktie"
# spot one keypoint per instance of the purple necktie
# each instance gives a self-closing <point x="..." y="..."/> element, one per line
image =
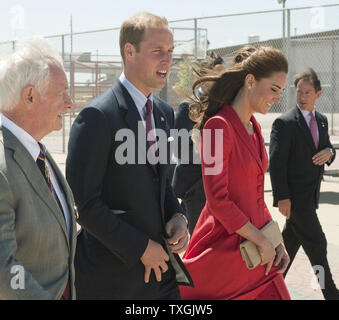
<point x="314" y="129"/>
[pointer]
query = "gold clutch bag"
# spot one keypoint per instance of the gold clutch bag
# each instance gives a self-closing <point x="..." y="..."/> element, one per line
<point x="249" y="251"/>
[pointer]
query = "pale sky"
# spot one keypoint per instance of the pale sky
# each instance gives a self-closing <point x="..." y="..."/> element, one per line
<point x="40" y="17"/>
<point x="53" y="17"/>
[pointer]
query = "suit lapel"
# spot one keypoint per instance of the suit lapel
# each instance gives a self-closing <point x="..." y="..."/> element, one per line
<point x="305" y="129"/>
<point x="322" y="130"/>
<point x="244" y="137"/>
<point x="34" y="176"/>
<point x="65" y="189"/>
<point x="133" y="121"/>
<point x="161" y="124"/>
<point x="126" y="103"/>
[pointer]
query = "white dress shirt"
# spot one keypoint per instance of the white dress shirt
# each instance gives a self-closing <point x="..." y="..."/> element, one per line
<point x="33" y="148"/>
<point x="138" y="97"/>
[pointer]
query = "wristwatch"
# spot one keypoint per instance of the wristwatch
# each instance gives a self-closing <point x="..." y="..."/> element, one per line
<point x="332" y="152"/>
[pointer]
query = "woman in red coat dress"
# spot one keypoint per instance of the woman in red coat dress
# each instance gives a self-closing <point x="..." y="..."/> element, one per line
<point x="234" y="162"/>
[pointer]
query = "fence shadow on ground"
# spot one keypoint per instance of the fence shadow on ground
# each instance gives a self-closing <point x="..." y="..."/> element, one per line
<point x="329" y="197"/>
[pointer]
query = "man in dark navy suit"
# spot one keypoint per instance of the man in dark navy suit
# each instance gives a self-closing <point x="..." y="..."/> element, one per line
<point x="132" y="224"/>
<point x="299" y="148"/>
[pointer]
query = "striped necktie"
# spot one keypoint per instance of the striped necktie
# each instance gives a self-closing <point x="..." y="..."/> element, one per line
<point x="41" y="162"/>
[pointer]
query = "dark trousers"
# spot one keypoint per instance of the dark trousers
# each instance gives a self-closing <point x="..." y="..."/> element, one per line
<point x="169" y="289"/>
<point x="96" y="279"/>
<point x="304" y="229"/>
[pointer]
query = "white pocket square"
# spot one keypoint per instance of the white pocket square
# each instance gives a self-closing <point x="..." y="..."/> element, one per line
<point x="117" y="211"/>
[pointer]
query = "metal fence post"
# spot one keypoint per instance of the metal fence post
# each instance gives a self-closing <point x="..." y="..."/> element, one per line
<point x="333" y="86"/>
<point x="288" y="56"/>
<point x="63" y="116"/>
<point x="284" y="22"/>
<point x="195" y="38"/>
<point x="284" y="102"/>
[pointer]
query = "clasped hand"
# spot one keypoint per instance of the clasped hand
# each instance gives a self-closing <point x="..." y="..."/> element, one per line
<point x="155" y="257"/>
<point x="322" y="157"/>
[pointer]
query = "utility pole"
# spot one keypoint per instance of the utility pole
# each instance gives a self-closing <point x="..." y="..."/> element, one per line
<point x="284" y="18"/>
<point x="71" y="71"/>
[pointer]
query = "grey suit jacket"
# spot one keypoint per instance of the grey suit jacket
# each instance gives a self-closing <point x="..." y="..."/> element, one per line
<point x="36" y="255"/>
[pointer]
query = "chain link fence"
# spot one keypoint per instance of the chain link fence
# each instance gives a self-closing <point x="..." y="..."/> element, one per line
<point x="309" y="37"/>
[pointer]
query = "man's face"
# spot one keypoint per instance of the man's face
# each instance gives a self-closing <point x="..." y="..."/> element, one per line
<point x="148" y="68"/>
<point x="53" y="103"/>
<point x="306" y="95"/>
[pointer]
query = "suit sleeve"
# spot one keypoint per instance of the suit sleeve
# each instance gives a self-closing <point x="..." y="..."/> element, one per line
<point x="280" y="143"/>
<point x="329" y="144"/>
<point x="216" y="148"/>
<point x="16" y="283"/>
<point x="182" y="121"/>
<point x="88" y="153"/>
<point x="172" y="204"/>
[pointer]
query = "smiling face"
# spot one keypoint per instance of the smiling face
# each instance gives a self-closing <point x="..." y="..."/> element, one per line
<point x="265" y="92"/>
<point x="306" y="95"/>
<point x="50" y="106"/>
<point x="148" y="67"/>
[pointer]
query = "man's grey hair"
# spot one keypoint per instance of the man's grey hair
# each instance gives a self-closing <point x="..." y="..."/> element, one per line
<point x="28" y="66"/>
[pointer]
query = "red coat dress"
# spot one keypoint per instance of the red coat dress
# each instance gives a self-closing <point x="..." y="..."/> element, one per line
<point x="233" y="174"/>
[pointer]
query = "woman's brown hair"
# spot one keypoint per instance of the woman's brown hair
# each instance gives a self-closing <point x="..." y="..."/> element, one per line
<point x="261" y="62"/>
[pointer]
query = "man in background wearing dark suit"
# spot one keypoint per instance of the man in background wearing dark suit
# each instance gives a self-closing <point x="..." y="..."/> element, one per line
<point x="299" y="148"/>
<point x="133" y="225"/>
<point x="187" y="179"/>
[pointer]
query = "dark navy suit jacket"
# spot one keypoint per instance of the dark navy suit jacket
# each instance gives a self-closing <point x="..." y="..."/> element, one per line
<point x="121" y="206"/>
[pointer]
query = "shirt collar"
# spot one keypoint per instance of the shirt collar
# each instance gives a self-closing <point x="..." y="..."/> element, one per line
<point x="138" y="97"/>
<point x="24" y="137"/>
<point x="306" y="113"/>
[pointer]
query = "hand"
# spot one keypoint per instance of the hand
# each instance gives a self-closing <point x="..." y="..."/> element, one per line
<point x="322" y="157"/>
<point x="282" y="259"/>
<point x="154" y="258"/>
<point x="284" y="207"/>
<point x="267" y="253"/>
<point x="178" y="235"/>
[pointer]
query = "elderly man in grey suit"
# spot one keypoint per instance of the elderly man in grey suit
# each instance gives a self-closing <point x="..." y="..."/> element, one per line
<point x="37" y="225"/>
